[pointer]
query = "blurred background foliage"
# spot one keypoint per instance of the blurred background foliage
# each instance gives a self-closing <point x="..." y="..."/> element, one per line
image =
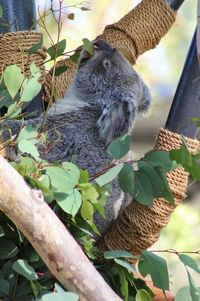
<point x="160" y="68"/>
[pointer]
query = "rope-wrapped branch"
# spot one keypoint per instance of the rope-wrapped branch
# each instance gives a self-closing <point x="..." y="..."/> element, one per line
<point x="14" y="49"/>
<point x="138" y="226"/>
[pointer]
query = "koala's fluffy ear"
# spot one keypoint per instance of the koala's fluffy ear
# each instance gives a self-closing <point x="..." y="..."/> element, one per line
<point x="145" y="100"/>
<point x="116" y="119"/>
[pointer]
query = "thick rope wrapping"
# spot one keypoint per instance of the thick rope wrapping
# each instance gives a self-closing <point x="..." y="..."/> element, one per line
<point x="140" y="30"/>
<point x="14" y="47"/>
<point x="138" y="227"/>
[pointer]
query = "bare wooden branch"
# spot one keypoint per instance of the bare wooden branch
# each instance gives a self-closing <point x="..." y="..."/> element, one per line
<point x="61" y="253"/>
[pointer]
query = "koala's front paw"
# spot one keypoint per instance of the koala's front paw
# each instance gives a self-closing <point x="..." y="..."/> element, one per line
<point x="116" y="120"/>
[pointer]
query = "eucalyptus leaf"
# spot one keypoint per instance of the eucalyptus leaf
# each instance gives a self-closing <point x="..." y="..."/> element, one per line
<point x="119" y="147"/>
<point x="129" y="267"/>
<point x="184" y="294"/>
<point x="109" y="175"/>
<point x="143" y="189"/>
<point x="72" y="171"/>
<point x="126" y="179"/>
<point x="30" y="90"/>
<point x="156" y="266"/>
<point x="35" y="71"/>
<point x="28" y="147"/>
<point x="57" y="297"/>
<point x="13" y="79"/>
<point x="57" y="49"/>
<point x="28" y="132"/>
<point x="23" y="268"/>
<point x="118" y="254"/>
<point x="87" y="45"/>
<point x="190" y="262"/>
<point x="160" y="158"/>
<point x="69" y="203"/>
<point x="87" y="211"/>
<point x="194" y="293"/>
<point x="37" y="46"/>
<point x="61" y="69"/>
<point x="7" y="248"/>
<point x="61" y="180"/>
<point x="90" y="194"/>
<point x="142" y="295"/>
<point x="13" y="111"/>
<point x="124" y="285"/>
<point x="4" y="288"/>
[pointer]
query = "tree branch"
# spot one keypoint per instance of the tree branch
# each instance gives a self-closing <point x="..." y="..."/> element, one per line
<point x="58" y="249"/>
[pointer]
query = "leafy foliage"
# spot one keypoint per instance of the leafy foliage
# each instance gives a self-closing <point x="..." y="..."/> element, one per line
<point x="75" y="198"/>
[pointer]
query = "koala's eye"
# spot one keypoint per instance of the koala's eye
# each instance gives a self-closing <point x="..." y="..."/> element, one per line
<point x="106" y="64"/>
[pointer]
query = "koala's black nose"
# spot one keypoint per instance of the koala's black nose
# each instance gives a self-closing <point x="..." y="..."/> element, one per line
<point x="102" y="45"/>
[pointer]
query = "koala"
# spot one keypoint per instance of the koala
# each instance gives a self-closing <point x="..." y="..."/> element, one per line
<point x="101" y="104"/>
<point x="107" y="81"/>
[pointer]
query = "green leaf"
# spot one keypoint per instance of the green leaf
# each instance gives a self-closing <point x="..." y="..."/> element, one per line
<point x="118" y="254"/>
<point x="4" y="287"/>
<point x="125" y="265"/>
<point x="13" y="111"/>
<point x="37" y="46"/>
<point x="143" y="189"/>
<point x="90" y="194"/>
<point x="74" y="57"/>
<point x="2" y="233"/>
<point x="87" y="211"/>
<point x="124" y="285"/>
<point x="35" y="71"/>
<point x="69" y="203"/>
<point x="193" y="289"/>
<point x="126" y="179"/>
<point x="28" y="147"/>
<point x="1" y="12"/>
<point x="156" y="266"/>
<point x="119" y="147"/>
<point x="13" y="79"/>
<point x="160" y="158"/>
<point x="56" y="297"/>
<point x="57" y="49"/>
<point x="7" y="248"/>
<point x="158" y="181"/>
<point x="60" y="179"/>
<point x="60" y="295"/>
<point x="182" y="156"/>
<point x="36" y="288"/>
<point x="109" y="175"/>
<point x="28" y="132"/>
<point x="29" y="165"/>
<point x="72" y="171"/>
<point x="23" y="268"/>
<point x="184" y="294"/>
<point x="30" y="90"/>
<point x="143" y="295"/>
<point x="190" y="262"/>
<point x="5" y="99"/>
<point x="88" y="46"/>
<point x="61" y="69"/>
